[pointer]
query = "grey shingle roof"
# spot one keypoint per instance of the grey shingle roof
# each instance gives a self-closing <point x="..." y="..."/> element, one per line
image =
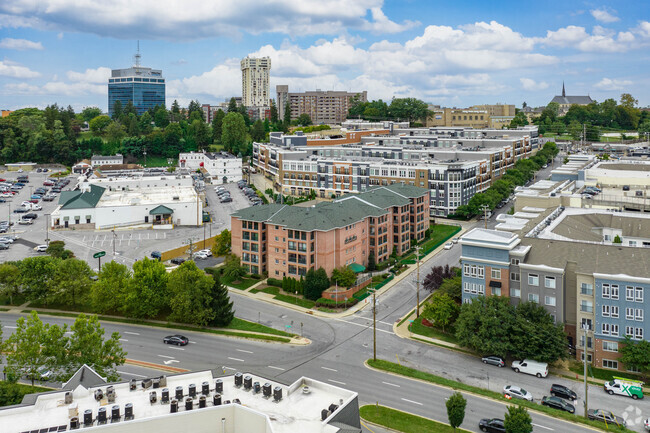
<point x="85" y="376"/>
<point x="580" y="100"/>
<point x="81" y="200"/>
<point x="581" y="227"/>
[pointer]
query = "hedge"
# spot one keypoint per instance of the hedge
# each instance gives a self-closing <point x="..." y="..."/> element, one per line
<point x="274" y="282"/>
<point x="324" y="302"/>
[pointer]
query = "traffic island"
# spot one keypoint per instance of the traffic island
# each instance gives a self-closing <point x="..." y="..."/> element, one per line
<point x="403" y="421"/>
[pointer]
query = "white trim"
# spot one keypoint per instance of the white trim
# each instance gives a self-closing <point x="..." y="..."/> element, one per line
<point x="489" y="262"/>
<point x="622" y="277"/>
<point x="541" y="268"/>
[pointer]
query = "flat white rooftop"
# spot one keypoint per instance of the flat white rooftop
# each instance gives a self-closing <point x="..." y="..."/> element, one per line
<point x="297" y="411"/>
<point x="150" y="196"/>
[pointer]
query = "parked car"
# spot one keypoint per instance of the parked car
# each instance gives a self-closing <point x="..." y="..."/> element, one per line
<point x="529" y="366"/>
<point x="179" y="340"/>
<point x="26" y="221"/>
<point x="448" y="246"/>
<point x="177" y="260"/>
<point x="563" y="392"/>
<point x="156" y="255"/>
<point x="454" y="240"/>
<point x="626" y="187"/>
<point x="43" y="373"/>
<point x="558" y="403"/>
<point x="4" y="246"/>
<point x="627" y="388"/>
<point x="646" y="424"/>
<point x="605" y="416"/>
<point x="517" y="392"/>
<point x="48" y="198"/>
<point x="31" y="216"/>
<point x="226" y="200"/>
<point x="40" y="248"/>
<point x="494" y="360"/>
<point x="200" y="255"/>
<point x="6" y="240"/>
<point x="21" y="210"/>
<point x="494" y="425"/>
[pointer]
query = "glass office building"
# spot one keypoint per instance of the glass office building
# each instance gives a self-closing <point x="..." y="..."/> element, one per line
<point x="144" y="87"/>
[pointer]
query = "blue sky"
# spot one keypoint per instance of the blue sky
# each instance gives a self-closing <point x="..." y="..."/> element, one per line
<point x="456" y="53"/>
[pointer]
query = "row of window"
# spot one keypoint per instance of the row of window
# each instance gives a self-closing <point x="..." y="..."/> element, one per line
<point x="474" y="271"/>
<point x="474" y="288"/>
<point x="630" y="313"/>
<point x="632" y="294"/>
<point x="533" y="280"/>
<point x="613" y="330"/>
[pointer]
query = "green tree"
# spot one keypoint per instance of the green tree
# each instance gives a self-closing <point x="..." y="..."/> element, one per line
<point x="535" y="334"/>
<point x="57" y="249"/>
<point x="520" y="119"/>
<point x="617" y="238"/>
<point x="147" y="292"/>
<point x="636" y="354"/>
<point x="70" y="283"/>
<point x="441" y="310"/>
<point x="233" y="133"/>
<point x="232" y="105"/>
<point x="456" y="409"/>
<point x="201" y="133"/>
<point x="221" y="304"/>
<point x="90" y="113"/>
<point x="453" y="288"/>
<point x="87" y="346"/>
<point x="411" y="109"/>
<point x="36" y="274"/>
<point x="222" y="243"/>
<point x="287" y="113"/>
<point x="161" y="116"/>
<point x="129" y="108"/>
<point x="304" y="119"/>
<point x="257" y="131"/>
<point x="628" y="101"/>
<point x="274" y="112"/>
<point x="9" y="282"/>
<point x="232" y="268"/>
<point x="115" y="131"/>
<point x="482" y="324"/>
<point x="118" y="112"/>
<point x="575" y="129"/>
<point x="344" y="277"/>
<point x="372" y="264"/>
<point x="99" y="124"/>
<point x="315" y="283"/>
<point x="217" y="123"/>
<point x="109" y="291"/>
<point x="517" y="420"/>
<point x="145" y="123"/>
<point x="190" y="295"/>
<point x="175" y="112"/>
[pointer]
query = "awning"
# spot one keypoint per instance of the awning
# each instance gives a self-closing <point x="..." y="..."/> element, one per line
<point x="161" y="210"/>
<point x="495" y="284"/>
<point x="357" y="268"/>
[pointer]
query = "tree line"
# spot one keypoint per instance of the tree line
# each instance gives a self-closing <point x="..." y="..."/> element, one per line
<point x="411" y="109"/>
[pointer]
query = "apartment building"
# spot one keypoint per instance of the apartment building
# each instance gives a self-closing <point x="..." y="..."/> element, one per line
<point x="323" y="107"/>
<point x="478" y="116"/>
<point x="283" y="240"/>
<point x="219" y="167"/>
<point x="255" y="81"/>
<point x="566" y="260"/>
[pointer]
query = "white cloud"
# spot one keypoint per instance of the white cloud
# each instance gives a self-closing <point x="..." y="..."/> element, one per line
<point x="20" y="44"/>
<point x="601" y="39"/>
<point x="613" y="84"/>
<point x="532" y="85"/>
<point x="195" y="19"/>
<point x="11" y="69"/>
<point x="603" y="15"/>
<point x="91" y="81"/>
<point x="96" y="76"/>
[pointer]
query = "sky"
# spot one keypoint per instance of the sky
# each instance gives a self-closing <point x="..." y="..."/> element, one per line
<point x="450" y="53"/>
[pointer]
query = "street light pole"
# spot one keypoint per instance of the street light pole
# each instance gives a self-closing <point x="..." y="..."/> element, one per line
<point x="584" y="355"/>
<point x="47" y="229"/>
<point x="374" y="326"/>
<point x="417" y="283"/>
<point x="485" y="208"/>
<point x="113" y="231"/>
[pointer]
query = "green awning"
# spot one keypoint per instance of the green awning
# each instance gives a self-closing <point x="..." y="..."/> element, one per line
<point x="357" y="268"/>
<point x="161" y="210"/>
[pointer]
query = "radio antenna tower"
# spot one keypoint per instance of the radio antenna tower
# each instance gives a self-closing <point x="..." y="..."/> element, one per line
<point x="137" y="57"/>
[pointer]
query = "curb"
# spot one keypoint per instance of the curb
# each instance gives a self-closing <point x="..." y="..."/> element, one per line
<point x="155" y="366"/>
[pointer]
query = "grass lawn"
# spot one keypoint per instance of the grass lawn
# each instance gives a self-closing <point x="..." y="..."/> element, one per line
<point x="439" y="234"/>
<point x="603" y="373"/>
<point x="418" y="328"/>
<point x="242" y="283"/>
<point x="392" y="367"/>
<point x="305" y="303"/>
<point x="402" y="421"/>
<point x="245" y="325"/>
<point x="157" y="161"/>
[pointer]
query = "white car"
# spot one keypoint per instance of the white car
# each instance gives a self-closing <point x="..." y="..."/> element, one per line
<point x="207" y="252"/>
<point x="200" y="255"/>
<point x="6" y="240"/>
<point x="454" y="240"/>
<point x="517" y="392"/>
<point x="40" y="248"/>
<point x="27" y="204"/>
<point x="646" y="424"/>
<point x="37" y="207"/>
<point x="448" y="246"/>
<point x="26" y="221"/>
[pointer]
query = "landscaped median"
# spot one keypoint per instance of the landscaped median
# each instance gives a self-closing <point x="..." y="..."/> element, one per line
<point x="403" y="421"/>
<point x="239" y="328"/>
<point x="400" y="370"/>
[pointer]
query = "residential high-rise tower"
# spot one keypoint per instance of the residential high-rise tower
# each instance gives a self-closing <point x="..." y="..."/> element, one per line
<point x="255" y="81"/>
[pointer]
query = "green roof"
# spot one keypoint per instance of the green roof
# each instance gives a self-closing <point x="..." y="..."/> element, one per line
<point x="357" y="268"/>
<point x="161" y="210"/>
<point x="81" y="200"/>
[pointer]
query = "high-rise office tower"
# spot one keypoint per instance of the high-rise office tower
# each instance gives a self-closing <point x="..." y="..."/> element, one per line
<point x="255" y="81"/>
<point x="144" y="87"/>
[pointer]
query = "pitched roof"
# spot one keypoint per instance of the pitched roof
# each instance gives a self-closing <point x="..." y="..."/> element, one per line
<point x="570" y="100"/>
<point x="86" y="377"/>
<point x="161" y="210"/>
<point x="81" y="200"/>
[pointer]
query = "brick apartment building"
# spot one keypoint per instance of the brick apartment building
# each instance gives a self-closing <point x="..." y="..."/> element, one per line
<point x="283" y="240"/>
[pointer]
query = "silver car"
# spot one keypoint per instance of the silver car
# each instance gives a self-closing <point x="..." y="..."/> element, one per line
<point x="517" y="392"/>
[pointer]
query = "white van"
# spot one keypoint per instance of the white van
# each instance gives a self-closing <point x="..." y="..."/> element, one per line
<point x="529" y="366"/>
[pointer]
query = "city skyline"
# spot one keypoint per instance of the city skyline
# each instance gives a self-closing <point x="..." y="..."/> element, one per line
<point x="465" y="54"/>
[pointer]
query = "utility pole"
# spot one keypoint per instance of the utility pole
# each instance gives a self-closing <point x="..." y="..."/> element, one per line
<point x="374" y="326"/>
<point x="485" y="208"/>
<point x="47" y="229"/>
<point x="584" y="355"/>
<point x="113" y="231"/>
<point x="417" y="292"/>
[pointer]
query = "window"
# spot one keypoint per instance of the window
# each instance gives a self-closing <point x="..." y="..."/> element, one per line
<point x="608" y="363"/>
<point x="629" y="313"/>
<point x="466" y="287"/>
<point x="496" y="291"/>
<point x="481" y="271"/>
<point x="614" y="330"/>
<point x="638" y="294"/>
<point x="587" y="306"/>
<point x="606" y="291"/>
<point x="605" y="329"/>
<point x="638" y="333"/>
<point x="515" y="293"/>
<point x="585" y="323"/>
<point x="549" y="282"/>
<point x="605" y="311"/>
<point x="533" y="280"/>
<point x="514" y="262"/>
<point x="496" y="274"/>
<point x="614" y="293"/>
<point x="629" y="331"/>
<point x="589" y="342"/>
<point x="610" y="346"/>
<point x="629" y="293"/>
<point x="582" y="357"/>
<point x="638" y="315"/>
<point x="549" y="300"/>
<point x="466" y="270"/>
<point x="586" y="289"/>
<point x="533" y="297"/>
<point x="614" y="311"/>
<point x="514" y="276"/>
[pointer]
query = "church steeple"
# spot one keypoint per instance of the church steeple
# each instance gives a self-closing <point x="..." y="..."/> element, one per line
<point x="563" y="92"/>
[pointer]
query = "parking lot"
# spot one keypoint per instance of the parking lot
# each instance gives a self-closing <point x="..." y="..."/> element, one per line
<point x="124" y="245"/>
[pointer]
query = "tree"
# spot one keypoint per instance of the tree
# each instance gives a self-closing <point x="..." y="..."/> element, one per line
<point x="109" y="291"/>
<point x="274" y="112"/>
<point x="344" y="277"/>
<point x="628" y="101"/>
<point x="87" y="346"/>
<point x="221" y="304"/>
<point x="222" y="243"/>
<point x="117" y="110"/>
<point x="372" y="264"/>
<point x="90" y="113"/>
<point x="57" y="249"/>
<point x="147" y="293"/>
<point x="520" y="119"/>
<point x="232" y="105"/>
<point x="456" y="409"/>
<point x="315" y="283"/>
<point x="161" y="116"/>
<point x="232" y="268"/>
<point x="483" y="323"/>
<point x="70" y="283"/>
<point x="201" y="132"/>
<point x="145" y="123"/>
<point x="287" y="113"/>
<point x="257" y="131"/>
<point x="441" y="310"/>
<point x="536" y="335"/>
<point x="36" y="274"/>
<point x="517" y="420"/>
<point x="617" y="238"/>
<point x="98" y="124"/>
<point x="217" y="123"/>
<point x="453" y="288"/>
<point x="636" y="354"/>
<point x="411" y="109"/>
<point x="233" y="133"/>
<point x="115" y="131"/>
<point x="190" y="295"/>
<point x="9" y="282"/>
<point x="304" y="119"/>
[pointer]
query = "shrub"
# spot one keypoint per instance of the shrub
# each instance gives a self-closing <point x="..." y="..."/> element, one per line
<point x="324" y="302"/>
<point x="273" y="282"/>
<point x="255" y="276"/>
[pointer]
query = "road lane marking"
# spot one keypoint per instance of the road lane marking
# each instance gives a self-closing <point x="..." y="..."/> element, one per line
<point x="330" y="369"/>
<point x="242" y="350"/>
<point x="365" y="326"/>
<point x="131" y="374"/>
<point x="336" y="381"/>
<point x="11" y="327"/>
<point x="130" y="333"/>
<point x="230" y="368"/>
<point x="165" y="356"/>
<point x="192" y="342"/>
<point x="414" y="402"/>
<point x="176" y="348"/>
<point x="392" y="384"/>
<point x="277" y="368"/>
<point x="236" y="359"/>
<point x="122" y="339"/>
<point x="541" y="426"/>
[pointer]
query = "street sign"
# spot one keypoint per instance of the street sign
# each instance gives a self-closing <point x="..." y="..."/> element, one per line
<point x="99" y="254"/>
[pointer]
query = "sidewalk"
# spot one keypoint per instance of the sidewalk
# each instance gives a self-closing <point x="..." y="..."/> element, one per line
<point x="401" y="329"/>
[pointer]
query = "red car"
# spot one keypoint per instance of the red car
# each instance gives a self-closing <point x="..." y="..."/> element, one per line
<point x="46" y="183"/>
<point x="34" y="200"/>
<point x="3" y="180"/>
